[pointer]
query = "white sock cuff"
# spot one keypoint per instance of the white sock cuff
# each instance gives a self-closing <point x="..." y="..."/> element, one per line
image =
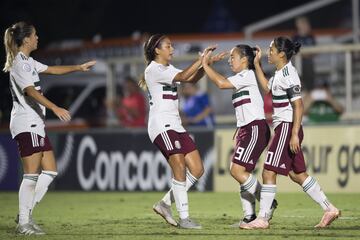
<point x="308" y="183"/>
<point x="50" y="173"/>
<point x="191" y="177"/>
<point x="178" y="183"/>
<point x="31" y="176"/>
<point x="248" y="183"/>
<point x="268" y="188"/>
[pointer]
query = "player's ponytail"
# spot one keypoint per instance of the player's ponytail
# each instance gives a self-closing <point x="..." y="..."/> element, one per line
<point x="10" y="48"/>
<point x="284" y="44"/>
<point x="149" y="53"/>
<point x="13" y="39"/>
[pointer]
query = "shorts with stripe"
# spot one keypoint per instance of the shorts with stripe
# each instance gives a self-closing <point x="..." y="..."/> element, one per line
<point x="30" y="143"/>
<point x="251" y="141"/>
<point x="279" y="158"/>
<point x="171" y="142"/>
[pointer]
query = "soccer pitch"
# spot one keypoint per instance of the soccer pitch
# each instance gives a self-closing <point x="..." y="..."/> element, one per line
<point x="123" y="215"/>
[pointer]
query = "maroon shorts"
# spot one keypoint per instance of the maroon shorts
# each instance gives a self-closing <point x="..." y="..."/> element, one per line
<point x="30" y="143"/>
<point x="172" y="142"/>
<point x="279" y="157"/>
<point x="251" y="141"/>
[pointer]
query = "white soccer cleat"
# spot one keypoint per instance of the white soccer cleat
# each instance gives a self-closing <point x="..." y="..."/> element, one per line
<point x="26" y="229"/>
<point x="164" y="211"/>
<point x="188" y="223"/>
<point x="328" y="218"/>
<point x="258" y="223"/>
<point x="36" y="227"/>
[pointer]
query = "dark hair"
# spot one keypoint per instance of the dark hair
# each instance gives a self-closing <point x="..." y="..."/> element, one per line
<point x="149" y="52"/>
<point x="13" y="39"/>
<point x="248" y="52"/>
<point x="150" y="45"/>
<point x="284" y="44"/>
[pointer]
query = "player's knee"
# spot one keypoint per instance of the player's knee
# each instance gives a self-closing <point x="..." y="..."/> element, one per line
<point x="268" y="176"/>
<point x="198" y="171"/>
<point x="298" y="178"/>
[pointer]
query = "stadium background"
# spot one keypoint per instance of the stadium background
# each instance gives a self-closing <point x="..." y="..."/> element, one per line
<point x="97" y="155"/>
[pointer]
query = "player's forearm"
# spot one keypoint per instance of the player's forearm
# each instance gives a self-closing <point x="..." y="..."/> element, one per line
<point x="188" y="72"/>
<point x="32" y="92"/>
<point x="298" y="109"/>
<point x="219" y="80"/>
<point x="197" y="75"/>
<point x="58" y="70"/>
<point x="261" y="78"/>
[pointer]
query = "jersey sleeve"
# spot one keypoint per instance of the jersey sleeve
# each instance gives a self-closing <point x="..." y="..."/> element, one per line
<point x="162" y="74"/>
<point x="242" y="80"/>
<point x="23" y="75"/>
<point x="292" y="86"/>
<point x="39" y="67"/>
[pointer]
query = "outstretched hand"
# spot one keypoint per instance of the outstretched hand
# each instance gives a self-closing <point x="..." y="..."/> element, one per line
<point x="86" y="66"/>
<point x="218" y="57"/>
<point x="210" y="49"/>
<point x="258" y="55"/>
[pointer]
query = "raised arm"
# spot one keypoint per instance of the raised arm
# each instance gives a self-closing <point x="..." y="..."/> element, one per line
<point x="58" y="70"/>
<point x="61" y="113"/>
<point x="219" y="80"/>
<point x="263" y="81"/>
<point x="194" y="72"/>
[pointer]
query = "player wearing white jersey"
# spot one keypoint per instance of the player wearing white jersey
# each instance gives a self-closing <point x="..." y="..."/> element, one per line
<point x="27" y="124"/>
<point x="165" y="128"/>
<point x="285" y="155"/>
<point x="253" y="133"/>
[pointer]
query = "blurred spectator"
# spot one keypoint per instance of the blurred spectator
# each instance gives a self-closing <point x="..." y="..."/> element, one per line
<point x="305" y="37"/>
<point x="196" y="107"/>
<point x="320" y="105"/>
<point x="131" y="108"/>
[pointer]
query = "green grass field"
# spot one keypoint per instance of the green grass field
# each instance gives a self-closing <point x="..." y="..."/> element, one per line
<point x="117" y="215"/>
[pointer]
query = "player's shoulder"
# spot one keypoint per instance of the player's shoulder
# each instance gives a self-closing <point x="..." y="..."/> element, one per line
<point x="22" y="63"/>
<point x="289" y="70"/>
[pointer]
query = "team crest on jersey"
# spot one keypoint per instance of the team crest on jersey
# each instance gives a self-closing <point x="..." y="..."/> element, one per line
<point x="26" y="67"/>
<point x="42" y="142"/>
<point x="177" y="144"/>
<point x="33" y="73"/>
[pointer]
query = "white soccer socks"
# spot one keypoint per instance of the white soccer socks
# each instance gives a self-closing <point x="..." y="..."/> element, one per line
<point x="268" y="192"/>
<point x="313" y="189"/>
<point x="26" y="196"/>
<point x="190" y="181"/>
<point x="249" y="192"/>
<point x="44" y="180"/>
<point x="181" y="198"/>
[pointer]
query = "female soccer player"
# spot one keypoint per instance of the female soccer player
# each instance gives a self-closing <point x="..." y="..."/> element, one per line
<point x="253" y="132"/>
<point x="27" y="124"/>
<point x="165" y="128"/>
<point x="285" y="155"/>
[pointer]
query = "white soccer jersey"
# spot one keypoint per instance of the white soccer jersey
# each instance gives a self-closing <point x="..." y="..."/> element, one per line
<point x="163" y="99"/>
<point x="246" y="99"/>
<point x="26" y="115"/>
<point x="283" y="79"/>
